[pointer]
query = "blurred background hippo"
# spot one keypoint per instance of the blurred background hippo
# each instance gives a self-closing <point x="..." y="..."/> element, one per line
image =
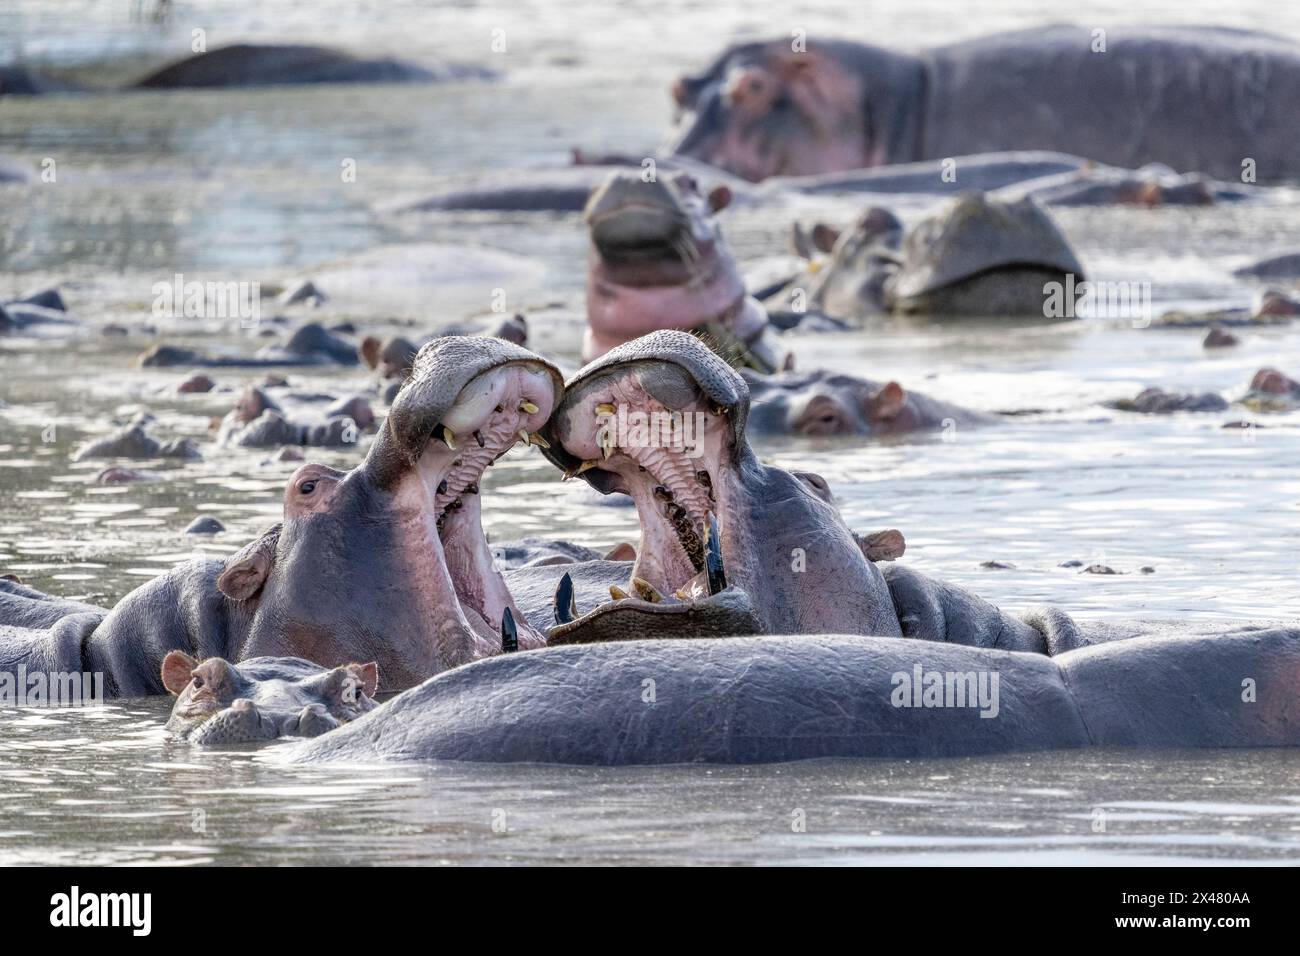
<point x="979" y="255"/>
<point x="1121" y="96"/>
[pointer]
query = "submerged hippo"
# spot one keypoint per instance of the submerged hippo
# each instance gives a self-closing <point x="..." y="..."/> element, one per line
<point x="259" y="421"/>
<point x="829" y="403"/>
<point x="263" y="698"/>
<point x="977" y="255"/>
<point x="133" y="441"/>
<point x="309" y="344"/>
<point x="44" y="308"/>
<point x="1195" y="98"/>
<point x="1272" y="391"/>
<point x="658" y="260"/>
<point x="384" y="563"/>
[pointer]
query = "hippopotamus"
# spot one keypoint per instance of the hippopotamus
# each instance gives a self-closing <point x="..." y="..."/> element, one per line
<point x="657" y="259"/>
<point x="259" y="421"/>
<point x="263" y="698"/>
<point x="800" y="697"/>
<point x="1157" y="401"/>
<point x="309" y="344"/>
<point x="385" y="563"/>
<point x="133" y="441"/>
<point x="1285" y="265"/>
<point x="244" y="65"/>
<point x="979" y="254"/>
<point x="1152" y="185"/>
<point x="1123" y="97"/>
<point x="392" y="357"/>
<point x="1270" y="307"/>
<point x="831" y="403"/>
<point x="1272" y="391"/>
<point x="44" y="308"/>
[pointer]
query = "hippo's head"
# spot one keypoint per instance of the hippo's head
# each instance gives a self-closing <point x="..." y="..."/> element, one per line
<point x="388" y="562"/>
<point x="769" y="109"/>
<point x="222" y="703"/>
<point x="823" y="403"/>
<point x="848" y="271"/>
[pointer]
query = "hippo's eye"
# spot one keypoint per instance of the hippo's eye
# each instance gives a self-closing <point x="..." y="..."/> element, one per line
<point x="198" y="681"/>
<point x="307" y="487"/>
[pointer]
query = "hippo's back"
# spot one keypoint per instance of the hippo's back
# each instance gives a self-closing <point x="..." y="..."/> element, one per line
<point x="1195" y="98"/>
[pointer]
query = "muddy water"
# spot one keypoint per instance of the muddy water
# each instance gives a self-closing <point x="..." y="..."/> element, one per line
<point x="246" y="186"/>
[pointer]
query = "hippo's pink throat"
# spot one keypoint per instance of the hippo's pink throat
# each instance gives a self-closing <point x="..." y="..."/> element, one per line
<point x="440" y="526"/>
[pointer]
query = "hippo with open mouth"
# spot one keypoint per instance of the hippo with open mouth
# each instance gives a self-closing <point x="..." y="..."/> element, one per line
<point x="1131" y="97"/>
<point x="977" y="255"/>
<point x="658" y="260"/>
<point x="385" y="563"/>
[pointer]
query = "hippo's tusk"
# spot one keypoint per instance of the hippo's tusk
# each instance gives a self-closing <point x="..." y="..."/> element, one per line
<point x="509" y="633"/>
<point x="604" y="410"/>
<point x="585" y="466"/>
<point x="527" y="407"/>
<point x="523" y="436"/>
<point x="617" y="593"/>
<point x="713" y="555"/>
<point x="449" y="437"/>
<point x="566" y="604"/>
<point x="539" y="441"/>
<point x="606" y="446"/>
<point x="646" y="591"/>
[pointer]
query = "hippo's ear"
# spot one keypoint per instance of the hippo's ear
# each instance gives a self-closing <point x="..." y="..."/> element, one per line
<point x="623" y="551"/>
<point x="370" y="348"/>
<point x="887" y="402"/>
<point x="176" y="669"/>
<point x="719" y="198"/>
<point x="248" y="568"/>
<point x="368" y="674"/>
<point x="824" y="237"/>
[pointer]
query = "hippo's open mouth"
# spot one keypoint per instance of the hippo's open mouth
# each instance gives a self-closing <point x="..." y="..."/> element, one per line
<point x="645" y="235"/>
<point x="650" y="429"/>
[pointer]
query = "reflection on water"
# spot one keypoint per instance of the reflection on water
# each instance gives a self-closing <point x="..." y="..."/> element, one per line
<point x="246" y="186"/>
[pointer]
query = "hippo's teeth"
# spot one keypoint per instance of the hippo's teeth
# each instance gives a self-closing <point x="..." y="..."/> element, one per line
<point x="617" y="593"/>
<point x="713" y="555"/>
<point x="585" y="466"/>
<point x="566" y="604"/>
<point x="471" y="488"/>
<point x="478" y="437"/>
<point x="604" y="409"/>
<point x="703" y="478"/>
<point x="527" y="407"/>
<point x="606" y="445"/>
<point x="509" y="633"/>
<point x="448" y="437"/>
<point x="662" y="493"/>
<point x="646" y="591"/>
<point x="523" y="435"/>
<point x="539" y="441"/>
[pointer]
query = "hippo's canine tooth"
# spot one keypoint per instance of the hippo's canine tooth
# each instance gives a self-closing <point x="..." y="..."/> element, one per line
<point x="617" y="593"/>
<point x="713" y="555"/>
<point x="442" y="487"/>
<point x="646" y="591"/>
<point x="606" y="445"/>
<point x="449" y="437"/>
<point x="528" y="407"/>
<point x="478" y="437"/>
<point x="538" y="440"/>
<point x="605" y="408"/>
<point x="579" y="469"/>
<point x="566" y="604"/>
<point x="509" y="633"/>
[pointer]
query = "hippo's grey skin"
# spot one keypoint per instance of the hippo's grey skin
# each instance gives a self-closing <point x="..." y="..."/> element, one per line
<point x="770" y="699"/>
<point x="763" y="109"/>
<point x="309" y="344"/>
<point x="132" y="441"/>
<point x="385" y="563"/>
<point x="977" y="255"/>
<point x="1283" y="266"/>
<point x="1156" y="401"/>
<point x="728" y="545"/>
<point x="1270" y="307"/>
<point x="42" y="308"/>
<point x="1153" y="185"/>
<point x="392" y="357"/>
<point x="830" y="403"/>
<point x="264" y="698"/>
<point x="657" y="260"/>
<point x="259" y="421"/>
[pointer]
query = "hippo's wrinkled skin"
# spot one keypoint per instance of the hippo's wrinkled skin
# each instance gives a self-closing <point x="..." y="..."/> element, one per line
<point x="977" y="255"/>
<point x="385" y="563"/>
<point x="771" y="699"/>
<point x="263" y="698"/>
<point x="309" y="344"/>
<point x="729" y="545"/>
<point x="763" y="109"/>
<point x="828" y="403"/>
<point x="259" y="421"/>
<point x="657" y="259"/>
